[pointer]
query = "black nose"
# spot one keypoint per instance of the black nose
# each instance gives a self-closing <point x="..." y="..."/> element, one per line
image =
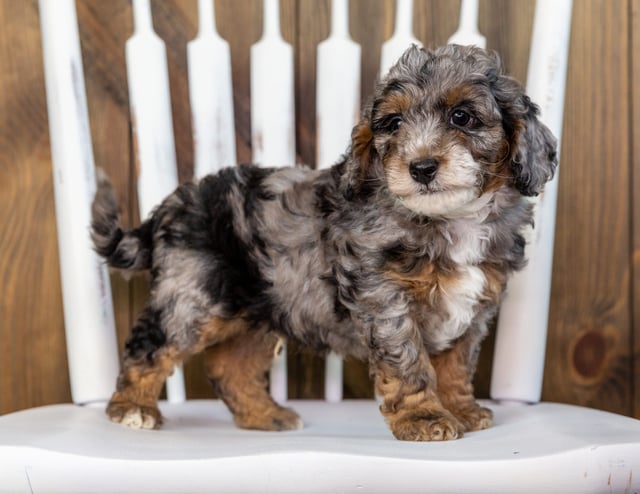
<point x="423" y="171"/>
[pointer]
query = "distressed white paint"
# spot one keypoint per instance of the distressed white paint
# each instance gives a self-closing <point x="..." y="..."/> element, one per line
<point x="333" y="377"/>
<point x="272" y="126"/>
<point x="272" y="97"/>
<point x="344" y="447"/>
<point x="522" y="326"/>
<point x="337" y="89"/>
<point x="337" y="111"/>
<point x="88" y="310"/>
<point x="150" y="106"/>
<point x="468" y="33"/>
<point x="402" y="37"/>
<point x="211" y="96"/>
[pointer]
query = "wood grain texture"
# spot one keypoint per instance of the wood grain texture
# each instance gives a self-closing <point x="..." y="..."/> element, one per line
<point x="371" y="23"/>
<point x="314" y="25"/>
<point x="593" y="355"/>
<point x="634" y="60"/>
<point x="508" y="26"/>
<point x="32" y="353"/>
<point x="434" y="22"/>
<point x="589" y="342"/>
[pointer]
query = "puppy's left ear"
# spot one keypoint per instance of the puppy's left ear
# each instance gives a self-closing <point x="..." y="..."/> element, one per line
<point x="360" y="158"/>
<point x="533" y="150"/>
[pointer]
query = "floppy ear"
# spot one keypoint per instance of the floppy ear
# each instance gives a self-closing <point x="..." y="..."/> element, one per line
<point x="534" y="158"/>
<point x="359" y="160"/>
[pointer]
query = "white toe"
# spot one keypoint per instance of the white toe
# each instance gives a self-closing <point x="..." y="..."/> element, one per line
<point x="133" y="419"/>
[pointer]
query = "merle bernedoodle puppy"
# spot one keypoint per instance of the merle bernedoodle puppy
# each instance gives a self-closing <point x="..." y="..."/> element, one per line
<point x="398" y="254"/>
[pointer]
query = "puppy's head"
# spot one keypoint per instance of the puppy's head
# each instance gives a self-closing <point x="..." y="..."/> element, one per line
<point x="445" y="129"/>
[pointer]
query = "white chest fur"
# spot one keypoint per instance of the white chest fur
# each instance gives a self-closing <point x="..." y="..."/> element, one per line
<point x="459" y="299"/>
<point x="460" y="295"/>
<point x="469" y="240"/>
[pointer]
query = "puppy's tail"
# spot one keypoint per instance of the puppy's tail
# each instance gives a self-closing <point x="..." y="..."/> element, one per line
<point x="130" y="250"/>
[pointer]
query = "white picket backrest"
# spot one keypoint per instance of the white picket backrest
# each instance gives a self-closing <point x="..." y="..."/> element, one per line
<point x="88" y="309"/>
<point x="522" y="325"/>
<point x="337" y="111"/>
<point x="345" y="446"/>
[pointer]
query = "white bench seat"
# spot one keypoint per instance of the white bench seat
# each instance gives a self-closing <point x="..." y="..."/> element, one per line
<point x="343" y="447"/>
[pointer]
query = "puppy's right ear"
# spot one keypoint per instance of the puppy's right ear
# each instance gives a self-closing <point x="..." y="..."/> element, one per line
<point x="359" y="160"/>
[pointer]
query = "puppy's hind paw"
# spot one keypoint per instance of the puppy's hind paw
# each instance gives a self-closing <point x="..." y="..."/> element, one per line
<point x="286" y="420"/>
<point x="134" y="416"/>
<point x="274" y="419"/>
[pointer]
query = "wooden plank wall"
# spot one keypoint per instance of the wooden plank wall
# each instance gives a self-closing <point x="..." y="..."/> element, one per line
<point x="593" y="351"/>
<point x="634" y="183"/>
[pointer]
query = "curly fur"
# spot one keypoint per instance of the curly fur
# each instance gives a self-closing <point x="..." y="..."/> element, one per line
<point x="375" y="258"/>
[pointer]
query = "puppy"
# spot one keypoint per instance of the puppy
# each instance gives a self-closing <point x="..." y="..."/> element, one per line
<point x="398" y="254"/>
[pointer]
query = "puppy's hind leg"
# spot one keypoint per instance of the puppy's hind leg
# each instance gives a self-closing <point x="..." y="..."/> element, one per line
<point x="148" y="361"/>
<point x="237" y="369"/>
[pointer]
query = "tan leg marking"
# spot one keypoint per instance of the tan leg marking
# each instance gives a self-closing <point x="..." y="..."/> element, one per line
<point x="135" y="402"/>
<point x="237" y="369"/>
<point x="454" y="369"/>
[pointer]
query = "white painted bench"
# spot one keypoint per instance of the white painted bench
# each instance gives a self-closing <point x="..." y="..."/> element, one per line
<point x="345" y="446"/>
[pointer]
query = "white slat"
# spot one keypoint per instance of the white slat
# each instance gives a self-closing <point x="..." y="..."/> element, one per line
<point x="468" y="33"/>
<point x="337" y="89"/>
<point x="211" y="96"/>
<point x="272" y="125"/>
<point x="272" y="106"/>
<point x="402" y="37"/>
<point x="337" y="110"/>
<point x="88" y="309"/>
<point x="518" y="362"/>
<point x="150" y="106"/>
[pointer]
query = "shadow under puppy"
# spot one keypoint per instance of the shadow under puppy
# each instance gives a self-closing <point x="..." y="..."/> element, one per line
<point x="398" y="254"/>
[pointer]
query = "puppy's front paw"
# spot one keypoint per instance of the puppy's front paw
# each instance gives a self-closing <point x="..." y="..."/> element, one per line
<point x="474" y="418"/>
<point x="425" y="426"/>
<point x="134" y="416"/>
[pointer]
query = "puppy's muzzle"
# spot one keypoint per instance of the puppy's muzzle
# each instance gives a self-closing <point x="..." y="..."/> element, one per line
<point x="424" y="171"/>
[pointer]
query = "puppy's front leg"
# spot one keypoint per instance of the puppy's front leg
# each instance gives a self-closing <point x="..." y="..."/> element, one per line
<point x="406" y="380"/>
<point x="455" y="368"/>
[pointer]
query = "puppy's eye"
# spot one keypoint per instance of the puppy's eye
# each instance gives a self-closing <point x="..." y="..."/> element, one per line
<point x="461" y="118"/>
<point x="394" y="123"/>
<point x="388" y="123"/>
